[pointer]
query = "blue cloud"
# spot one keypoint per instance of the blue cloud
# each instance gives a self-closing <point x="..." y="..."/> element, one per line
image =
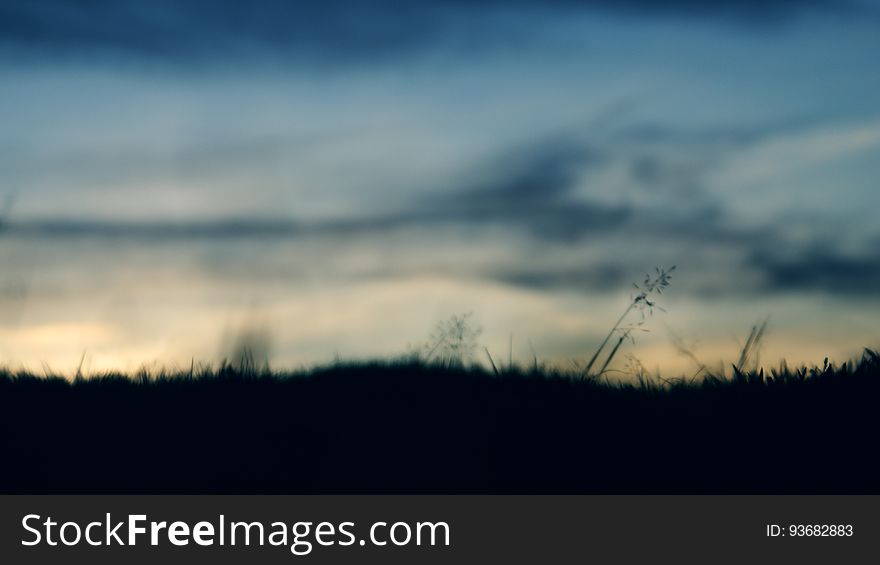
<point x="316" y="30"/>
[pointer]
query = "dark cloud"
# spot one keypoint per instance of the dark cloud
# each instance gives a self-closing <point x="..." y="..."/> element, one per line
<point x="747" y="11"/>
<point x="534" y="173"/>
<point x="318" y="29"/>
<point x="753" y="261"/>
<point x="818" y="268"/>
<point x="595" y="277"/>
<point x="532" y="190"/>
<point x="151" y="231"/>
<point x="527" y="189"/>
<point x="207" y="29"/>
<point x="827" y="272"/>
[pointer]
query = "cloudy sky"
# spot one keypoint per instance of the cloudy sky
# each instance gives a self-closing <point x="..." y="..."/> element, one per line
<point x="339" y="176"/>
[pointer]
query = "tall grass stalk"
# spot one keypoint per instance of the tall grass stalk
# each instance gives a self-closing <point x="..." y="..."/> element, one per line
<point x="640" y="302"/>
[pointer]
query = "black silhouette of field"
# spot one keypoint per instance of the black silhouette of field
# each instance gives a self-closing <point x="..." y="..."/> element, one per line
<point x="410" y="427"/>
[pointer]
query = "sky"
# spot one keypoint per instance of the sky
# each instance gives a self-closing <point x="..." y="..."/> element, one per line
<point x="327" y="180"/>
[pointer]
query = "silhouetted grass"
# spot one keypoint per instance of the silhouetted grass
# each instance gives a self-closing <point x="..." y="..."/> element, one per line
<point x="406" y="426"/>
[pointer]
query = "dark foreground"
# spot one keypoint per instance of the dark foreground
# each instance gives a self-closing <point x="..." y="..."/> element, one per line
<point x="410" y="428"/>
